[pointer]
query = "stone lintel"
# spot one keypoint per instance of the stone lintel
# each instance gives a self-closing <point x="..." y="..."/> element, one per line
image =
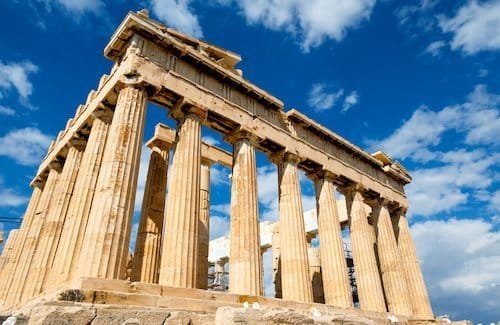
<point x="179" y="86"/>
<point x="210" y="154"/>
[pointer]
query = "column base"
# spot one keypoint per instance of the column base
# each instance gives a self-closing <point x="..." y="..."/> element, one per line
<point x="104" y="301"/>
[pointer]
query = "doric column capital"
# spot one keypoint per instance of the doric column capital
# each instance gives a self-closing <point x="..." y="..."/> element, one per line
<point x="104" y="114"/>
<point x="56" y="165"/>
<point x="285" y="156"/>
<point x="134" y="80"/>
<point x="242" y="134"/>
<point x="184" y="108"/>
<point x="321" y="174"/>
<point x="77" y="143"/>
<point x="155" y="144"/>
<point x="352" y="189"/>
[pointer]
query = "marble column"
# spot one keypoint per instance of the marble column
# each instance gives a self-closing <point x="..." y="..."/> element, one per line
<point x="245" y="259"/>
<point x="146" y="262"/>
<point x="73" y="233"/>
<point x="20" y="276"/>
<point x="295" y="280"/>
<point x="54" y="222"/>
<point x="393" y="279"/>
<point x="204" y="225"/>
<point x="336" y="283"/>
<point x="106" y="243"/>
<point x="8" y="273"/>
<point x="180" y="237"/>
<point x="370" y="293"/>
<point x="417" y="289"/>
<point x="8" y="247"/>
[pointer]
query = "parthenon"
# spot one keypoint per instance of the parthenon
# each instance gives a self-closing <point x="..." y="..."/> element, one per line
<point x="73" y="244"/>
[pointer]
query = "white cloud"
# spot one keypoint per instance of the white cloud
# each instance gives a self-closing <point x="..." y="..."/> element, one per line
<point x="210" y="140"/>
<point x="478" y="118"/>
<point x="445" y="177"/>
<point x="16" y="75"/>
<point x="77" y="7"/>
<point x="7" y="111"/>
<point x="474" y="27"/>
<point x="495" y="201"/>
<point x="312" y="21"/>
<point x="442" y="188"/>
<point x="219" y="226"/>
<point x="320" y="99"/>
<point x="461" y="265"/>
<point x="224" y="209"/>
<point x="350" y="100"/>
<point x="26" y="146"/>
<point x="179" y="15"/>
<point x="9" y="198"/>
<point x="219" y="175"/>
<point x="435" y="48"/>
<point x="482" y="73"/>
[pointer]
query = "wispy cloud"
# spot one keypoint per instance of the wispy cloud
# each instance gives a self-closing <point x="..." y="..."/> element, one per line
<point x="179" y="15"/>
<point x="25" y="146"/>
<point x="321" y="99"/>
<point x="444" y="177"/>
<point x="15" y="76"/>
<point x="471" y="278"/>
<point x="312" y="22"/>
<point x="435" y="48"/>
<point x="474" y="27"/>
<point x="350" y="100"/>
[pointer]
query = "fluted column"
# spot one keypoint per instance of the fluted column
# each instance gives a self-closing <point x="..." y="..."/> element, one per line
<point x="245" y="259"/>
<point x="393" y="279"/>
<point x="69" y="249"/>
<point x="10" y="243"/>
<point x="20" y="278"/>
<point x="146" y="260"/>
<point x="53" y="224"/>
<point x="105" y="248"/>
<point x="204" y="225"/>
<point x="315" y="270"/>
<point x="296" y="284"/>
<point x="411" y="267"/>
<point x="334" y="267"/>
<point x="371" y="296"/>
<point x="180" y="237"/>
<point x="8" y="273"/>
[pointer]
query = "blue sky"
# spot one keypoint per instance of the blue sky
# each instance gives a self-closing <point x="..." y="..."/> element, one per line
<point x="417" y="79"/>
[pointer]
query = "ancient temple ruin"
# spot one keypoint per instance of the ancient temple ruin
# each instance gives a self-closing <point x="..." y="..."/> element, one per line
<point x="72" y="246"/>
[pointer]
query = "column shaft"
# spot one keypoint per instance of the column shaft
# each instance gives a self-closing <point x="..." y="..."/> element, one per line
<point x="393" y="280"/>
<point x="296" y="284"/>
<point x="53" y="224"/>
<point x="204" y="227"/>
<point x="79" y="208"/>
<point x="411" y="267"/>
<point x="180" y="239"/>
<point x="146" y="261"/>
<point x="334" y="267"/>
<point x="8" y="273"/>
<point x="371" y="296"/>
<point x="20" y="276"/>
<point x="245" y="259"/>
<point x="8" y="247"/>
<point x="105" y="248"/>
